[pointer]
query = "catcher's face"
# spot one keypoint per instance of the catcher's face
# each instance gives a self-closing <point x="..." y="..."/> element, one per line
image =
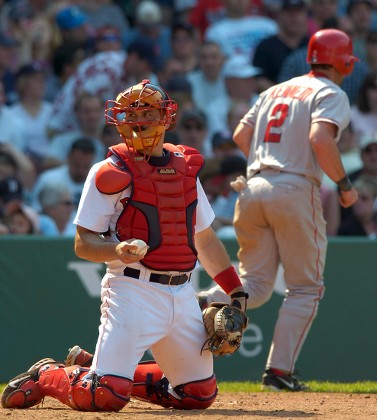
<point x="145" y="130"/>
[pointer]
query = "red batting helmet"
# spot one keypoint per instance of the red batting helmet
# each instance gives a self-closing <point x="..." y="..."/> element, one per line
<point x="333" y="47"/>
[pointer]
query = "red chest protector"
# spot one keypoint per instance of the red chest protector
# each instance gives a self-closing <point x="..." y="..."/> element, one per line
<point x="162" y="207"/>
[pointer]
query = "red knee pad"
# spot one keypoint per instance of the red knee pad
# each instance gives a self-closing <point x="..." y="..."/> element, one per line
<point x="90" y="392"/>
<point x="196" y="395"/>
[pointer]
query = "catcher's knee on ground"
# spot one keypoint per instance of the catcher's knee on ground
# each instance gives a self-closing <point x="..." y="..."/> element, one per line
<point x="151" y="386"/>
<point x="73" y="386"/>
<point x="90" y="392"/>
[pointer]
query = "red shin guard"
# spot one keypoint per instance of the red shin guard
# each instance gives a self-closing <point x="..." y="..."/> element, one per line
<point x="81" y="390"/>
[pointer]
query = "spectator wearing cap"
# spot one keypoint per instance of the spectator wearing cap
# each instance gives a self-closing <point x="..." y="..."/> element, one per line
<point x="11" y="190"/>
<point x="240" y="84"/>
<point x="8" y="51"/>
<point x="22" y="220"/>
<point x="73" y="25"/>
<point x="13" y="162"/>
<point x="33" y="111"/>
<point x="240" y="79"/>
<point x="223" y="145"/>
<point x="271" y="51"/>
<point x="185" y="43"/>
<point x="149" y="25"/>
<point x="192" y="129"/>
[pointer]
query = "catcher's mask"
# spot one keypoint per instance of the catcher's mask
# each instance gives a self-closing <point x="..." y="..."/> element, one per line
<point x="140" y="134"/>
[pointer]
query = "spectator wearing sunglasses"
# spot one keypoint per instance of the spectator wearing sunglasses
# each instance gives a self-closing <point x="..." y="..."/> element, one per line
<point x="57" y="203"/>
<point x="192" y="129"/>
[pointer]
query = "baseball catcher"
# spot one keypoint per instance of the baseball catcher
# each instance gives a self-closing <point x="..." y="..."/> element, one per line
<point x="145" y="214"/>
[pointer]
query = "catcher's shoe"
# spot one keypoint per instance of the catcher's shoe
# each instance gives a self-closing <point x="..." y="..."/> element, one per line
<point x="281" y="382"/>
<point x="23" y="391"/>
<point x="40" y="363"/>
<point x="78" y="356"/>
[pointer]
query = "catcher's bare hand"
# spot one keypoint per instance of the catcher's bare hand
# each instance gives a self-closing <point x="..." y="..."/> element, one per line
<point x="224" y="325"/>
<point x="123" y="250"/>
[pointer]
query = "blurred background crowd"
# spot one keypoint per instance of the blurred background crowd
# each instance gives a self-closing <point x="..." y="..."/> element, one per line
<point x="61" y="60"/>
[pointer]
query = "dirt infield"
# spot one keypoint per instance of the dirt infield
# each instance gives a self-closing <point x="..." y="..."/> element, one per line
<point x="258" y="406"/>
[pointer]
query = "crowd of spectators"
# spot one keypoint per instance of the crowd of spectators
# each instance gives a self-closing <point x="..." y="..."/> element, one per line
<point x="60" y="60"/>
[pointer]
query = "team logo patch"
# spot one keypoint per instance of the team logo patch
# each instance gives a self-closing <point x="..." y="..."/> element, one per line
<point x="167" y="171"/>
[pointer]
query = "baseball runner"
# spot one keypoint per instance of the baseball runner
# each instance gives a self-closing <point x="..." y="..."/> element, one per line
<point x="289" y="137"/>
<point x="143" y="212"/>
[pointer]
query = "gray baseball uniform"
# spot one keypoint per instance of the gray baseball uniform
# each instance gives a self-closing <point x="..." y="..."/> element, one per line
<point x="279" y="217"/>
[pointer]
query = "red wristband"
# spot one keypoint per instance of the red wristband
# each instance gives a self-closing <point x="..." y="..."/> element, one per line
<point x="228" y="279"/>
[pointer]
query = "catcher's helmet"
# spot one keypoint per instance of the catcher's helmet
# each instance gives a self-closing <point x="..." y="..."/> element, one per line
<point x="144" y="96"/>
<point x="333" y="47"/>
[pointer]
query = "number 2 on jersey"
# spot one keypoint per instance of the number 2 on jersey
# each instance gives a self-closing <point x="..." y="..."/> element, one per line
<point x="277" y="118"/>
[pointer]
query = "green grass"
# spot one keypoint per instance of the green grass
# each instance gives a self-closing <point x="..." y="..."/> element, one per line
<point x="366" y="387"/>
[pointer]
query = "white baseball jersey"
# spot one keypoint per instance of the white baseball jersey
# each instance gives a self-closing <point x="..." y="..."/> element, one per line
<point x="281" y="137"/>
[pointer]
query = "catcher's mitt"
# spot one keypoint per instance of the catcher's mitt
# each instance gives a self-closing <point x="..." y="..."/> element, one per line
<point x="225" y="325"/>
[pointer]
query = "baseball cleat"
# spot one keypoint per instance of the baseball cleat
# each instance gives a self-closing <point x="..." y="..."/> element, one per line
<point x="281" y="382"/>
<point x="78" y="356"/>
<point x="23" y="390"/>
<point x="40" y="363"/>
